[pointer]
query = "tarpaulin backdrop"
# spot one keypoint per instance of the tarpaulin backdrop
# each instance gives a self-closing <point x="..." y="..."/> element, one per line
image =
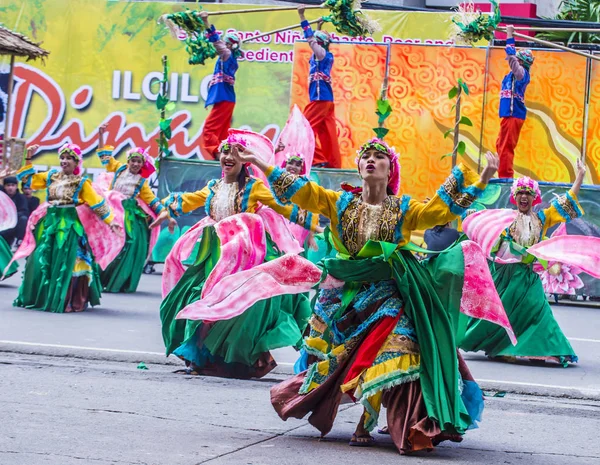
<point x="105" y="57"/>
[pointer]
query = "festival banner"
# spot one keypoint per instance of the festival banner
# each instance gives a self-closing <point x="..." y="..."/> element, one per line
<point x="105" y="62"/>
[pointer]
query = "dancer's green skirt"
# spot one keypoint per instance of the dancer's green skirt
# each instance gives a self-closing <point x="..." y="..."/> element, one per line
<point x="60" y="275"/>
<point x="5" y="258"/>
<point x="238" y="347"/>
<point x="538" y="333"/>
<point x="125" y="271"/>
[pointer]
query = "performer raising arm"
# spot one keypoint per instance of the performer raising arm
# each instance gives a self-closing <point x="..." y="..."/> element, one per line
<point x="221" y="92"/>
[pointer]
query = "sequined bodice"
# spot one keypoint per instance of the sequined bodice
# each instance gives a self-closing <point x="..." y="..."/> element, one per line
<point x="526" y="230"/>
<point x="126" y="183"/>
<point x="361" y="222"/>
<point x="62" y="188"/>
<point x="224" y="201"/>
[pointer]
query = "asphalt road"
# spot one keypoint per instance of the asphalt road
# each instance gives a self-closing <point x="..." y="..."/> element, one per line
<point x="127" y="328"/>
<point x="64" y="411"/>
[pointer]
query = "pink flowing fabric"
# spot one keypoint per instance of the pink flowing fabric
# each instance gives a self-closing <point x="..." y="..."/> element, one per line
<point x="479" y="296"/>
<point x="289" y="274"/>
<point x="298" y="137"/>
<point x="102" y="184"/>
<point x="173" y="269"/>
<point x="8" y="212"/>
<point x="105" y="244"/>
<point x="243" y="246"/>
<point x="283" y="233"/>
<point x="486" y="226"/>
<point x="582" y="252"/>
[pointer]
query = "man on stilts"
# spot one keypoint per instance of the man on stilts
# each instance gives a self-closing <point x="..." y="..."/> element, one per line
<point x="512" y="103"/>
<point x="221" y="92"/>
<point x="320" y="112"/>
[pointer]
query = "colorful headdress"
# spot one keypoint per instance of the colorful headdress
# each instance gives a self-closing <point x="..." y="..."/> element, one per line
<point x="383" y="147"/>
<point x="148" y="167"/>
<point x="296" y="157"/>
<point x="527" y="185"/>
<point x="526" y="57"/>
<point x="231" y="38"/>
<point x="323" y="38"/>
<point x="232" y="139"/>
<point x="74" y="152"/>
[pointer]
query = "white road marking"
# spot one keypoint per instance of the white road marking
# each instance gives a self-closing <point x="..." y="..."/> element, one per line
<point x="100" y="349"/>
<point x="578" y="339"/>
<point x="550" y="386"/>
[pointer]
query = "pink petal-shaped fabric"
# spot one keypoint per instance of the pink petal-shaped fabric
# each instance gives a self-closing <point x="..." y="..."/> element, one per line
<point x="486" y="226"/>
<point x="298" y="137"/>
<point x="480" y="298"/>
<point x="173" y="269"/>
<point x="289" y="274"/>
<point x="105" y="244"/>
<point x="154" y="233"/>
<point x="560" y="231"/>
<point x="28" y="244"/>
<point x="580" y="251"/>
<point x="102" y="183"/>
<point x="243" y="246"/>
<point x="299" y="232"/>
<point x="8" y="212"/>
<point x="259" y="144"/>
<point x="282" y="231"/>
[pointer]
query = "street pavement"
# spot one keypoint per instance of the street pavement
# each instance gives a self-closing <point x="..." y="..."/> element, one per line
<point x="72" y="394"/>
<point x="126" y="327"/>
<point x="65" y="411"/>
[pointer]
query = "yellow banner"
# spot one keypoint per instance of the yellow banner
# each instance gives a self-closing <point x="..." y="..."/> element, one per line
<point x="105" y="62"/>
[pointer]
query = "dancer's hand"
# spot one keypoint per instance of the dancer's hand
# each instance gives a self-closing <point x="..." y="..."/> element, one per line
<point x="245" y="155"/>
<point x="581" y="170"/>
<point x="280" y="147"/>
<point x="162" y="216"/>
<point x="116" y="228"/>
<point x="491" y="167"/>
<point x="301" y="10"/>
<point x="204" y="16"/>
<point x="510" y="29"/>
<point x="30" y="151"/>
<point x="101" y="131"/>
<point x="172" y="225"/>
<point x="320" y="23"/>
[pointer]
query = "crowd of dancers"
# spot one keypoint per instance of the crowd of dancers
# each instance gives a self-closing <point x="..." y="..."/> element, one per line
<point x="383" y="328"/>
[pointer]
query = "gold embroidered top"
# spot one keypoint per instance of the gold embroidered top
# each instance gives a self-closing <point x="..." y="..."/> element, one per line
<point x="529" y="229"/>
<point x="131" y="185"/>
<point x="221" y="200"/>
<point x="64" y="190"/>
<point x="394" y="222"/>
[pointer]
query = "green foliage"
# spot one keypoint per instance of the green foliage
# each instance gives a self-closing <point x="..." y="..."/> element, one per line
<point x="163" y="105"/>
<point x="575" y="10"/>
<point x="347" y="18"/>
<point x="475" y="26"/>
<point x="384" y="110"/>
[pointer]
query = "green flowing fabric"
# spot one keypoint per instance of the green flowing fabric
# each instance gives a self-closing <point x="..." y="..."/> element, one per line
<point x="125" y="271"/>
<point x="49" y="269"/>
<point x="434" y="311"/>
<point x="5" y="258"/>
<point x="266" y="325"/>
<point x="530" y="315"/>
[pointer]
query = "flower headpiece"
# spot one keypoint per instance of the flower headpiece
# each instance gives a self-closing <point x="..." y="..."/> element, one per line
<point x="73" y="151"/>
<point x="232" y="140"/>
<point x="527" y="185"/>
<point x="526" y="57"/>
<point x="381" y="146"/>
<point x="148" y="167"/>
<point x="296" y="157"/>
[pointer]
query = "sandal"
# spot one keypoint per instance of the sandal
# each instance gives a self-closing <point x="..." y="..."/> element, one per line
<point x="384" y="430"/>
<point x="362" y="441"/>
